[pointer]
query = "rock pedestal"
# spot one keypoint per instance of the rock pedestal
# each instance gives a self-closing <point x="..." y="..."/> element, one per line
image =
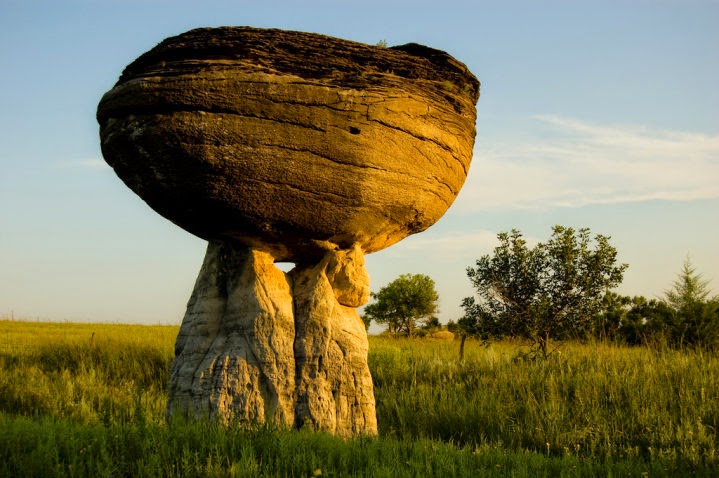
<point x="333" y="382"/>
<point x="259" y="345"/>
<point x="234" y="353"/>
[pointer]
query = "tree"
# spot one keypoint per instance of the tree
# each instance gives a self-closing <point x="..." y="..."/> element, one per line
<point x="612" y="315"/>
<point x="686" y="316"/>
<point x="404" y="304"/>
<point x="633" y="320"/>
<point x="367" y="321"/>
<point x="695" y="317"/>
<point x="688" y="289"/>
<point x="647" y="322"/>
<point x="550" y="291"/>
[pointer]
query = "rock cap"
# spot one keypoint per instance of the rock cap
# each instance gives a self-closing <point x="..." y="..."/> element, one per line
<point x="292" y="142"/>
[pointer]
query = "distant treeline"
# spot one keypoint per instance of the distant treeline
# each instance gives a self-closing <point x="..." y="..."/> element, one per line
<point x="556" y="290"/>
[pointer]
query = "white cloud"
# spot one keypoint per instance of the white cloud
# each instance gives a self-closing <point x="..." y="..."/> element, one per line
<point x="572" y="163"/>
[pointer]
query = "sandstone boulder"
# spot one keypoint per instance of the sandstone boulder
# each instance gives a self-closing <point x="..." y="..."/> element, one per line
<point x="295" y="143"/>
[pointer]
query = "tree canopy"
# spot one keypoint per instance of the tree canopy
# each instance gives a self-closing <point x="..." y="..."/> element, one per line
<point x="550" y="291"/>
<point x="403" y="304"/>
<point x="685" y="317"/>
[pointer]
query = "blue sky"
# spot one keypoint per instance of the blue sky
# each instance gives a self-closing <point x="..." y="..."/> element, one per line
<point x="602" y="114"/>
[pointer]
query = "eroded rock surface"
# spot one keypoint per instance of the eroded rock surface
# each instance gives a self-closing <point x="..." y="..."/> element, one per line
<point x="257" y="345"/>
<point x="364" y="144"/>
<point x="234" y="356"/>
<point x="334" y="385"/>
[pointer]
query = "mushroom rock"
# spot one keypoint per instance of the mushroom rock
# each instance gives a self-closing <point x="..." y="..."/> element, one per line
<point x="287" y="146"/>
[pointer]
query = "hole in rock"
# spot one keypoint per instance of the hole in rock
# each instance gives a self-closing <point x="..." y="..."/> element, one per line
<point x="354" y="130"/>
<point x="285" y="266"/>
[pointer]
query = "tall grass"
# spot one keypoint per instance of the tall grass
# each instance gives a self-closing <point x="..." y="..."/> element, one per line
<point x="596" y="401"/>
<point x="89" y="400"/>
<point x="85" y="372"/>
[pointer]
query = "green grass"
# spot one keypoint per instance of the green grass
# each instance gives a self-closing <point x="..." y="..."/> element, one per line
<point x="89" y="400"/>
<point x="597" y="401"/>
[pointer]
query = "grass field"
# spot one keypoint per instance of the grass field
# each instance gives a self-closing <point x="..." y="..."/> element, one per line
<point x="89" y="400"/>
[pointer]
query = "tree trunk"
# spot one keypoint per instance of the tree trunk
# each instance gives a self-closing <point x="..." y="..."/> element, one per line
<point x="544" y="345"/>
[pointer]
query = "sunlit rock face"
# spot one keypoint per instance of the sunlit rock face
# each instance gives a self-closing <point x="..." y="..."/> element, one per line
<point x="287" y="146"/>
<point x="364" y="145"/>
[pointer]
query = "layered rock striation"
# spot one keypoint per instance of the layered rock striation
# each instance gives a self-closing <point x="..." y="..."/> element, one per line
<point x="287" y="146"/>
<point x="364" y="145"/>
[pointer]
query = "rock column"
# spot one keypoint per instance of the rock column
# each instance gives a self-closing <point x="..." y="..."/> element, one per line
<point x="257" y="345"/>
<point x="334" y="385"/>
<point x="234" y="357"/>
